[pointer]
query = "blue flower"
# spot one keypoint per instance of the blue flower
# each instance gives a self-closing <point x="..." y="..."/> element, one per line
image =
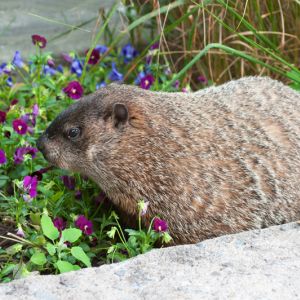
<point x="140" y="76"/>
<point x="4" y="68"/>
<point x="101" y="49"/>
<point x="9" y="81"/>
<point x="47" y="70"/>
<point x="76" y="67"/>
<point x="100" y="85"/>
<point x="60" y="69"/>
<point x="129" y="53"/>
<point x="17" y="60"/>
<point x="115" y="75"/>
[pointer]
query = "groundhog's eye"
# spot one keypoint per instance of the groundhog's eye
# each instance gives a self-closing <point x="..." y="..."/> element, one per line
<point x="73" y="133"/>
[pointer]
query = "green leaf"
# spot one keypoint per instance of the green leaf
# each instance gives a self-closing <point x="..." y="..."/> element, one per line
<point x="166" y="238"/>
<point x="38" y="258"/>
<point x="3" y="180"/>
<point x="7" y="269"/>
<point x="64" y="266"/>
<point x="49" y="230"/>
<point x="51" y="249"/>
<point x="12" y="250"/>
<point x="71" y="235"/>
<point x="78" y="253"/>
<point x="35" y="218"/>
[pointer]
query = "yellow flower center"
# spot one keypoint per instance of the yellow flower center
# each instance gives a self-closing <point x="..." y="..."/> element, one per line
<point x="20" y="127"/>
<point x="146" y="82"/>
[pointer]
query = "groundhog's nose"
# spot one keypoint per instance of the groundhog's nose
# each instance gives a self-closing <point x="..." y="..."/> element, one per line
<point x="41" y="142"/>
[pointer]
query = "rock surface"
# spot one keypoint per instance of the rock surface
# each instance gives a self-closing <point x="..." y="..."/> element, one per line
<point x="260" y="264"/>
<point x="20" y="19"/>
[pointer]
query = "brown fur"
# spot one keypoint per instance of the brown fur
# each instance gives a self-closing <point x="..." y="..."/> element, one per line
<point x="219" y="161"/>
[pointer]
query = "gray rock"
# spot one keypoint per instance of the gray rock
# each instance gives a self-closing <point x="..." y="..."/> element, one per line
<point x="260" y="264"/>
<point x="18" y="23"/>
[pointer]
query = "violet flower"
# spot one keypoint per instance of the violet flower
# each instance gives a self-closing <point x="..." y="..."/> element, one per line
<point x="2" y="157"/>
<point x="129" y="53"/>
<point x="78" y="195"/>
<point x="202" y="79"/>
<point x="20" y="231"/>
<point x="74" y="90"/>
<point x="17" y="60"/>
<point x="20" y="152"/>
<point x="20" y="126"/>
<point x="147" y="81"/>
<point x="160" y="225"/>
<point x="100" y="198"/>
<point x="67" y="57"/>
<point x="39" y="40"/>
<point x="14" y="102"/>
<point x="39" y="173"/>
<point x="59" y="223"/>
<point x="115" y="75"/>
<point x="85" y="225"/>
<point x="69" y="182"/>
<point x="94" y="57"/>
<point x="2" y="116"/>
<point x="30" y="185"/>
<point x="35" y="110"/>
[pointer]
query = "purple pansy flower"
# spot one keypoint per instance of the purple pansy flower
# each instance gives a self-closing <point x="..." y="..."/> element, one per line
<point x="14" y="102"/>
<point x="160" y="225"/>
<point x="115" y="75"/>
<point x="50" y="63"/>
<point x="74" y="90"/>
<point x="59" y="223"/>
<point x="78" y="195"/>
<point x="100" y="198"/>
<point x="17" y="60"/>
<point x="30" y="185"/>
<point x="20" y="231"/>
<point x="76" y="67"/>
<point x="129" y="53"/>
<point x="9" y="81"/>
<point x="147" y="81"/>
<point x="202" y="79"/>
<point x="94" y="57"/>
<point x="85" y="225"/>
<point x="100" y="85"/>
<point x="69" y="182"/>
<point x="2" y="116"/>
<point x="2" y="157"/>
<point x="101" y="49"/>
<point x="39" y="173"/>
<point x="39" y="40"/>
<point x="154" y="46"/>
<point x="20" y="126"/>
<point x="35" y="110"/>
<point x="67" y="57"/>
<point x="20" y="152"/>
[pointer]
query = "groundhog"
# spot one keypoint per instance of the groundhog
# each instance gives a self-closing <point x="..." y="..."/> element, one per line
<point x="222" y="160"/>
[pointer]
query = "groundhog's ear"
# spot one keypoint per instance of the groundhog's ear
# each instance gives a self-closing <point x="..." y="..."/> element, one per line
<point x="119" y="114"/>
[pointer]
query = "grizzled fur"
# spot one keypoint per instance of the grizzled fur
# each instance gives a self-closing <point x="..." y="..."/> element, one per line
<point x="219" y="161"/>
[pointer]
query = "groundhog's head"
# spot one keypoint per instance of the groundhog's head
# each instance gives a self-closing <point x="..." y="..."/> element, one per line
<point x="90" y="133"/>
